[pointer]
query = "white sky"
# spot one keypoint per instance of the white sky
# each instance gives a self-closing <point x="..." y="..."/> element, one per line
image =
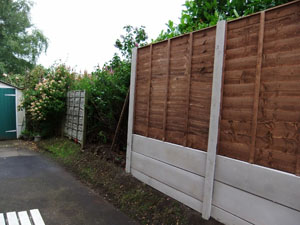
<point x="82" y="33"/>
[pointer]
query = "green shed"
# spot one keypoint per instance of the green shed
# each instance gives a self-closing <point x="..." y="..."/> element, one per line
<point x="11" y="119"/>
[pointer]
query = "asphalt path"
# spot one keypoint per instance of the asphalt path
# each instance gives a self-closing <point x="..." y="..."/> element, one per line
<point x="29" y="180"/>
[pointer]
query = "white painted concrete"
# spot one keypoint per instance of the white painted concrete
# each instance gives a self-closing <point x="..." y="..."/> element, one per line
<point x="24" y="218"/>
<point x="2" y="219"/>
<point x="214" y="118"/>
<point x="36" y="217"/>
<point x="131" y="109"/>
<point x="12" y="218"/>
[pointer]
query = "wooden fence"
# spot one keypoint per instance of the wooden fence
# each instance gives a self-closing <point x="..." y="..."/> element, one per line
<point x="260" y="99"/>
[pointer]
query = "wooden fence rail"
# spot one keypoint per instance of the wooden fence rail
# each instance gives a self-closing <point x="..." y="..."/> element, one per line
<point x="260" y="104"/>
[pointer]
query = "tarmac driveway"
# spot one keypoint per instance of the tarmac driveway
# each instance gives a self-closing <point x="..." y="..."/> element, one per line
<point x="31" y="181"/>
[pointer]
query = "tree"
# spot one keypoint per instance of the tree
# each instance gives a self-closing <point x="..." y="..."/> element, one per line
<point x="20" y="42"/>
<point x="203" y="13"/>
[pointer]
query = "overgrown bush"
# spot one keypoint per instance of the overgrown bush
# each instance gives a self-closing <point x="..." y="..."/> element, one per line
<point x="106" y="89"/>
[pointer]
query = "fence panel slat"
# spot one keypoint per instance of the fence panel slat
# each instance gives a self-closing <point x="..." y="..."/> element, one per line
<point x="176" y="110"/>
<point x="149" y="90"/>
<point x="257" y="85"/>
<point x="141" y="98"/>
<point x="167" y="91"/>
<point x="158" y="90"/>
<point x="188" y="72"/>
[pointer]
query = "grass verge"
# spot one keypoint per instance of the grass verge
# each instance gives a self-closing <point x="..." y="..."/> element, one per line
<point x="139" y="201"/>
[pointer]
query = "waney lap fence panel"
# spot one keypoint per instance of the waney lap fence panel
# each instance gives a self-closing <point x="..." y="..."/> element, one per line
<point x="261" y="93"/>
<point x="173" y="89"/>
<point x="239" y="164"/>
<point x="278" y="125"/>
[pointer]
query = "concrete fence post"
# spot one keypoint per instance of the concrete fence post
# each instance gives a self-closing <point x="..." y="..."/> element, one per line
<point x="131" y="110"/>
<point x="214" y="118"/>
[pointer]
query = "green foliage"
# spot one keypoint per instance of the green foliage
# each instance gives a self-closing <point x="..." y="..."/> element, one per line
<point x="45" y="98"/>
<point x="17" y="80"/>
<point x="61" y="148"/>
<point x="172" y="31"/>
<point x="34" y="76"/>
<point x="199" y="14"/>
<point x="27" y="134"/>
<point x="20" y="42"/>
<point x="107" y="88"/>
<point x="135" y="37"/>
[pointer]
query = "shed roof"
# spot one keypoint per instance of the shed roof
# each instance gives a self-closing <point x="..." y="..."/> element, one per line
<point x="8" y="84"/>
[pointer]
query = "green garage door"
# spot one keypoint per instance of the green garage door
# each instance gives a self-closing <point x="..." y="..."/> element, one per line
<point x="7" y="113"/>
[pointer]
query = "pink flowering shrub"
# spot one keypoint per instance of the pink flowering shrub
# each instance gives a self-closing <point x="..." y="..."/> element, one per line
<point x="45" y="97"/>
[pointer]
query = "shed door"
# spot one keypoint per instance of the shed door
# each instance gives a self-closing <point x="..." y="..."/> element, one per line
<point x="8" y="113"/>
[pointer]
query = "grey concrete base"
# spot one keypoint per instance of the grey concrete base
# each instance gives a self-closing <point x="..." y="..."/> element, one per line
<point x="243" y="193"/>
<point x="29" y="181"/>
